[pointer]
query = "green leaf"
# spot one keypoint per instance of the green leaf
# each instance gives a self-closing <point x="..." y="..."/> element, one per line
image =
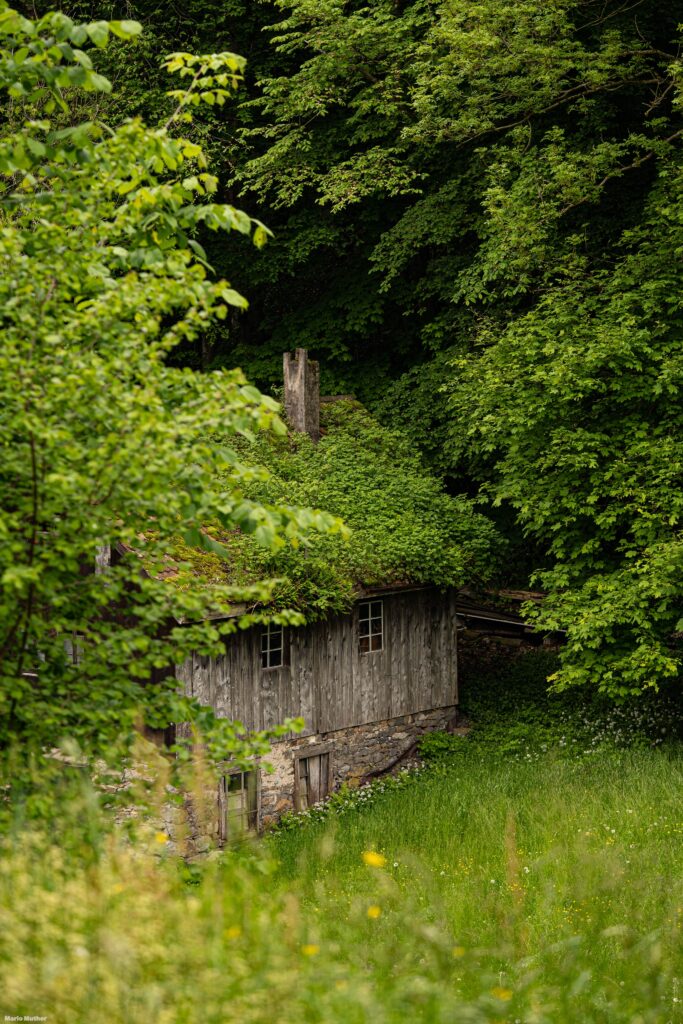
<point x="78" y="34"/>
<point x="260" y="236"/>
<point x="98" y="82"/>
<point x="125" y="29"/>
<point x="98" y="31"/>
<point x="36" y="147"/>
<point x="234" y="298"/>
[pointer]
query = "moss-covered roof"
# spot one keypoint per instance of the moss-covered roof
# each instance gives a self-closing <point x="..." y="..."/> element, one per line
<point x="405" y="529"/>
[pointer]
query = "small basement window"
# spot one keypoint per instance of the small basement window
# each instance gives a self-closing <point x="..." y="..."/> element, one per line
<point x="312" y="779"/>
<point x="238" y="804"/>
<point x="370" y="626"/>
<point x="272" y="646"/>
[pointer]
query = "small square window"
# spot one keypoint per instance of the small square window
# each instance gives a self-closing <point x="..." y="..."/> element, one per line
<point x="273" y="647"/>
<point x="370" y="626"/>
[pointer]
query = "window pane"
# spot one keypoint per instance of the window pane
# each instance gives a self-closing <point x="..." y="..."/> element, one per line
<point x="233" y="783"/>
<point x="370" y="626"/>
<point x="272" y="647"/>
<point x="241" y="803"/>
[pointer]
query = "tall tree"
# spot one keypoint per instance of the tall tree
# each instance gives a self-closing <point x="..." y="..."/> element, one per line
<point x="575" y="413"/>
<point x="104" y="445"/>
<point x="526" y="161"/>
<point x="474" y="203"/>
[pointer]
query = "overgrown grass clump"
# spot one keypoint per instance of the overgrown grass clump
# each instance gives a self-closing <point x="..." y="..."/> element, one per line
<point x="491" y="886"/>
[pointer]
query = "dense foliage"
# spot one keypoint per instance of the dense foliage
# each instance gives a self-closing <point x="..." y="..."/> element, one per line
<point x="578" y="405"/>
<point x="103" y="444"/>
<point x="485" y="197"/>
<point x="404" y="528"/>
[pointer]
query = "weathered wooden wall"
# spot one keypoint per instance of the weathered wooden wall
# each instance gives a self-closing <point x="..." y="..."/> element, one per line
<point x="328" y="681"/>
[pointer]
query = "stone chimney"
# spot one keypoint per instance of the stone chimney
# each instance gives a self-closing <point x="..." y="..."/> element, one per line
<point x="302" y="393"/>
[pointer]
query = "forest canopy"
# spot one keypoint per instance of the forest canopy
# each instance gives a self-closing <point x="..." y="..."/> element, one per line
<point x="476" y="217"/>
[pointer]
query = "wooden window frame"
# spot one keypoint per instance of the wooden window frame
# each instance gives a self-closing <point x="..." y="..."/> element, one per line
<point x="223" y="817"/>
<point x="371" y="604"/>
<point x="301" y="755"/>
<point x="267" y="651"/>
<point x="73" y="648"/>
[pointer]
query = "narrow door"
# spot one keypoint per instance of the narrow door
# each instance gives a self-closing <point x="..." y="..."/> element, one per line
<point x="314" y="775"/>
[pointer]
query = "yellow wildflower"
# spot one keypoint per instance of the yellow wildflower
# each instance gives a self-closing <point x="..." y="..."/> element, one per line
<point x="502" y="993"/>
<point x="458" y="951"/>
<point x="310" y="949"/>
<point x="161" y="837"/>
<point x="374" y="911"/>
<point x="374" y="860"/>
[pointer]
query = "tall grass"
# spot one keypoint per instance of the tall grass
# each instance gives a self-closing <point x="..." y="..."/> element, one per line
<point x="543" y="889"/>
<point x="563" y="880"/>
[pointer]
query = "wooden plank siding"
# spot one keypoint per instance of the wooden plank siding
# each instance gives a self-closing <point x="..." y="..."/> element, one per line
<point x="328" y="681"/>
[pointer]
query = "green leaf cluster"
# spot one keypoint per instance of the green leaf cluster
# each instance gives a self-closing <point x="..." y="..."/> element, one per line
<point x="578" y="409"/>
<point x="475" y="209"/>
<point x="403" y="528"/>
<point x="104" y="444"/>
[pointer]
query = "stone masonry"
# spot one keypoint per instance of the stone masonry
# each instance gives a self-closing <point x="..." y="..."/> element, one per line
<point x="355" y="753"/>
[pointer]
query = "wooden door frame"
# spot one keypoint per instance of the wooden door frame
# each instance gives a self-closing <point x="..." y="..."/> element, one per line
<point x="223" y="835"/>
<point x="312" y="751"/>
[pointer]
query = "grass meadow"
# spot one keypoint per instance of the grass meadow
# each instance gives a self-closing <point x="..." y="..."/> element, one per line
<point x="532" y="872"/>
<point x="558" y="884"/>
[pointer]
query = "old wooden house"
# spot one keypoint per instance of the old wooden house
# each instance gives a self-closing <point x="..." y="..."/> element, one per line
<point x="368" y="683"/>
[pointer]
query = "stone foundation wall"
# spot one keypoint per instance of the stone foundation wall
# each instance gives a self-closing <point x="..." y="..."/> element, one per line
<point x="355" y="752"/>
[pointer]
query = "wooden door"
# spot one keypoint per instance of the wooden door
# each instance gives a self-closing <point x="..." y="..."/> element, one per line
<point x="313" y="779"/>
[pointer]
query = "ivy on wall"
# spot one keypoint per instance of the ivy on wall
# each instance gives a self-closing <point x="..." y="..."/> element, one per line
<point x="404" y="527"/>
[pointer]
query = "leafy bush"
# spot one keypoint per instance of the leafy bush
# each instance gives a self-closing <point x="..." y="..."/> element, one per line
<point x="439" y="746"/>
<point x="516" y="713"/>
<point x="404" y="526"/>
<point x="350" y="798"/>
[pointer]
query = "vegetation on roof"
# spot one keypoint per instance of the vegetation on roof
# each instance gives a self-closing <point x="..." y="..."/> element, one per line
<point x="404" y="527"/>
